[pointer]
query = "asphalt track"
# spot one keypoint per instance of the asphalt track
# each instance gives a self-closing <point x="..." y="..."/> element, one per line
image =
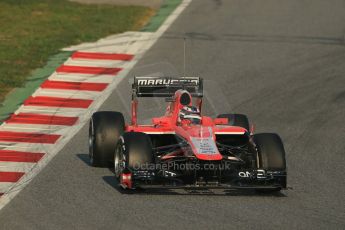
<point x="280" y="62"/>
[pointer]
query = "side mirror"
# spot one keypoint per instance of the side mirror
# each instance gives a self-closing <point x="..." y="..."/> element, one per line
<point x="221" y="121"/>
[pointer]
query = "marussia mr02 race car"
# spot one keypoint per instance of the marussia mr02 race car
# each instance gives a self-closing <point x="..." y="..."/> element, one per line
<point x="184" y="149"/>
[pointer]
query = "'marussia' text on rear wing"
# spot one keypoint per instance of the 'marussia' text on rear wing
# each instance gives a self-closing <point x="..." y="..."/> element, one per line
<point x="166" y="86"/>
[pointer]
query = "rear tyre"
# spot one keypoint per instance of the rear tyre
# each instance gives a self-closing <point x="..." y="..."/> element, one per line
<point x="235" y="119"/>
<point x="133" y="152"/>
<point x="104" y="131"/>
<point x="271" y="155"/>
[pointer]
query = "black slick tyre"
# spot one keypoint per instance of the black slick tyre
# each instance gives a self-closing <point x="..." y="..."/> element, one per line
<point x="104" y="131"/>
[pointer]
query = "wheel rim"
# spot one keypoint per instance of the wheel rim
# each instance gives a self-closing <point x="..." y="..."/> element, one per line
<point x="91" y="141"/>
<point x="118" y="161"/>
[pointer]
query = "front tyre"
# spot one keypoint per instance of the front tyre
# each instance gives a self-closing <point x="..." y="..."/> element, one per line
<point x="133" y="153"/>
<point x="271" y="155"/>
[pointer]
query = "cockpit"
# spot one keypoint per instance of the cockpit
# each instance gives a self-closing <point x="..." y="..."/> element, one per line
<point x="189" y="115"/>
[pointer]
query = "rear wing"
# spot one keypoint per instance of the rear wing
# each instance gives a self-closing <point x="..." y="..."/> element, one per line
<point x="166" y="86"/>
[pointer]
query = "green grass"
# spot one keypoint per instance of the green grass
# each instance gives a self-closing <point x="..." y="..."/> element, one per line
<point x="33" y="30"/>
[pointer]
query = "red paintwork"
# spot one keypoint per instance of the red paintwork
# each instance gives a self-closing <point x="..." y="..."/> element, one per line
<point x="17" y="156"/>
<point x="102" y="56"/>
<point x="221" y="121"/>
<point x="57" y="102"/>
<point x="41" y="138"/>
<point x="10" y="176"/>
<point x="203" y="134"/>
<point x="30" y="118"/>
<point x="126" y="180"/>
<point x="134" y="112"/>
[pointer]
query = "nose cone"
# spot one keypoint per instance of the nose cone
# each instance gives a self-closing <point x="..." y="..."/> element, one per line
<point x="203" y="143"/>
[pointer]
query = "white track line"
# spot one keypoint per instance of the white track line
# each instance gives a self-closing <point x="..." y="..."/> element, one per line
<point x="95" y="63"/>
<point x="76" y="94"/>
<point x="6" y="166"/>
<point x="27" y="147"/>
<point x="85" y="75"/>
<point x="82" y="78"/>
<point x="4" y="145"/>
<point x="36" y="128"/>
<point x="71" y="112"/>
<point x="5" y="185"/>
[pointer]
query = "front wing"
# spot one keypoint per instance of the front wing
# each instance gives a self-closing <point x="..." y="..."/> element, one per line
<point x="243" y="179"/>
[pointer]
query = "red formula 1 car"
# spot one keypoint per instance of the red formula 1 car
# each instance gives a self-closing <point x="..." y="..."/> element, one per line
<point x="184" y="149"/>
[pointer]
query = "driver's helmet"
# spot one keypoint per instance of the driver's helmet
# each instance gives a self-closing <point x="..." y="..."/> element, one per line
<point x="191" y="113"/>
